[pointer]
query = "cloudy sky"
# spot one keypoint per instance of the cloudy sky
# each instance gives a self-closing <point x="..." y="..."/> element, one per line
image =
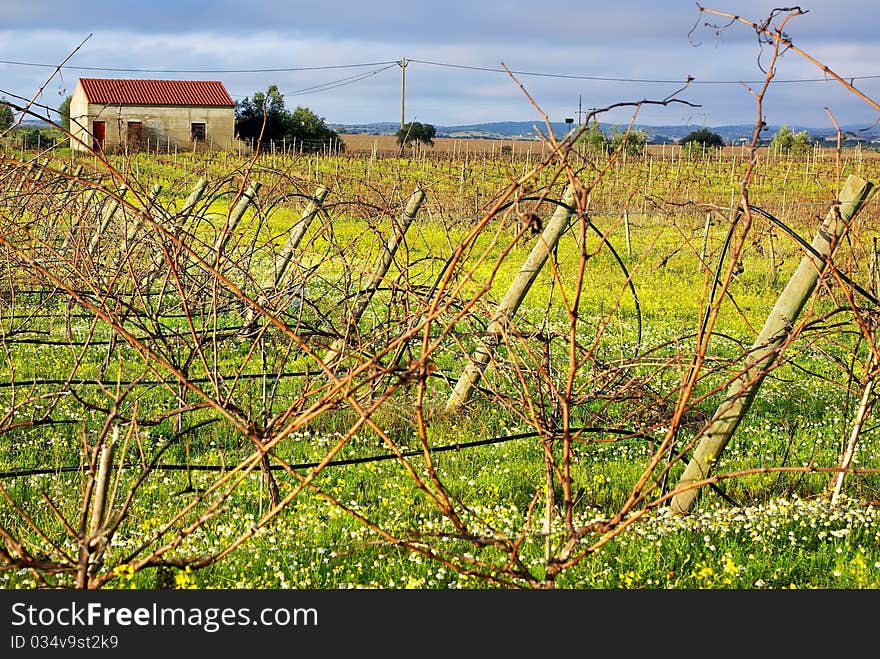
<point x="343" y="59"/>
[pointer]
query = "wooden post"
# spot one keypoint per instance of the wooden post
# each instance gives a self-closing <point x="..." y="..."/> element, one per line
<point x="771" y="255"/>
<point x="862" y="411"/>
<point x="379" y="271"/>
<point x="193" y="199"/>
<point x="706" y="227"/>
<point x="508" y="306"/>
<point x="109" y="212"/>
<point x="765" y="350"/>
<point x="23" y="177"/>
<point x="235" y="216"/>
<point x="102" y="482"/>
<point x="74" y="221"/>
<point x="283" y="259"/>
<point x="629" y="248"/>
<point x="182" y="216"/>
<point x="133" y="230"/>
<point x="297" y="233"/>
<point x="72" y="183"/>
<point x="875" y="276"/>
<point x="95" y="542"/>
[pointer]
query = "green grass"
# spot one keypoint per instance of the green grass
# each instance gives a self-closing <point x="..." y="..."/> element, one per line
<point x="769" y="530"/>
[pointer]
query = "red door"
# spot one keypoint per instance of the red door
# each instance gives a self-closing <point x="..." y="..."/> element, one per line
<point x="99" y="133"/>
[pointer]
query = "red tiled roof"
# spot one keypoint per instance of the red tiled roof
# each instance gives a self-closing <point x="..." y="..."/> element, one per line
<point x="156" y="92"/>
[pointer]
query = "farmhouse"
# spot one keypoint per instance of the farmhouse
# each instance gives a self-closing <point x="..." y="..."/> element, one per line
<point x="114" y="114"/>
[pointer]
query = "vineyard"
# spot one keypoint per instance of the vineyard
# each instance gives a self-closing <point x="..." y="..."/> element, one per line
<point x="305" y="371"/>
<point x="523" y="365"/>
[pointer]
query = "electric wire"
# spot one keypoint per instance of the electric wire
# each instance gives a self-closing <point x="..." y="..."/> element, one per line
<point x="451" y="65"/>
<point x="283" y="69"/>
<point x="342" y="82"/>
<point x="664" y="81"/>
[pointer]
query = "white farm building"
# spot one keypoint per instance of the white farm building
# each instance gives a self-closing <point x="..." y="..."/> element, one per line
<point x="115" y="115"/>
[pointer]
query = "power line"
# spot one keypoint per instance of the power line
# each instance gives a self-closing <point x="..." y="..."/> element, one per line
<point x="451" y="65"/>
<point x="631" y="80"/>
<point x="342" y="82"/>
<point x="133" y="70"/>
<point x="326" y="86"/>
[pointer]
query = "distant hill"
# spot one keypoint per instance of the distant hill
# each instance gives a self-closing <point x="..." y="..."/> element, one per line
<point x="34" y="123"/>
<point x="525" y="130"/>
<point x="378" y="128"/>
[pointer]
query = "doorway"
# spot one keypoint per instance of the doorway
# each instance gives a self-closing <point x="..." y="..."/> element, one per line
<point x="99" y="134"/>
<point x="135" y="136"/>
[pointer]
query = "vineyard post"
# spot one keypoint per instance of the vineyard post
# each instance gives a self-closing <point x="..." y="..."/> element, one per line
<point x="72" y="183"/>
<point x="30" y="167"/>
<point x="875" y="276"/>
<point x="74" y="223"/>
<point x="508" y="306"/>
<point x="193" y="198"/>
<point x="777" y="327"/>
<point x="108" y="217"/>
<point x="629" y="248"/>
<point x="133" y="230"/>
<point x="235" y="216"/>
<point x="706" y="227"/>
<point x="771" y="255"/>
<point x="283" y="259"/>
<point x="102" y="480"/>
<point x="182" y="216"/>
<point x="379" y="271"/>
<point x="297" y="232"/>
<point x="69" y="192"/>
<point x="862" y="412"/>
<point x="93" y="544"/>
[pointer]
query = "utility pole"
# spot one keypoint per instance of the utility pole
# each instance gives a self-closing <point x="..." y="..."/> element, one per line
<point x="402" y="64"/>
<point x="580" y="111"/>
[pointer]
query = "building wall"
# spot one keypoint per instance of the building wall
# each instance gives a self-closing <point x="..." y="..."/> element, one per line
<point x="162" y="127"/>
<point x="79" y="124"/>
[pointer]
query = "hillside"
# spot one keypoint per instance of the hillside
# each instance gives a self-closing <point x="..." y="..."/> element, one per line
<point x="524" y="130"/>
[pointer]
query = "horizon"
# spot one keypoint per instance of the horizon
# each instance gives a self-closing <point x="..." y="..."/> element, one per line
<point x="30" y="120"/>
<point x="609" y="123"/>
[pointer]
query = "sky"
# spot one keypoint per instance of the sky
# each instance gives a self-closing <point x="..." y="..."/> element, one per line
<point x="343" y="60"/>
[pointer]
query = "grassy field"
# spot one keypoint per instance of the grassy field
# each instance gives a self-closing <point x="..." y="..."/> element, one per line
<point x="240" y="453"/>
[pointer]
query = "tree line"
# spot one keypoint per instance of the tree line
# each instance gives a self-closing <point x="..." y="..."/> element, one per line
<point x="634" y="141"/>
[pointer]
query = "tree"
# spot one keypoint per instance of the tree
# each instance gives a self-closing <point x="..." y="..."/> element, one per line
<point x="34" y="138"/>
<point x="415" y="131"/>
<point x="264" y="118"/>
<point x="595" y="140"/>
<point x="6" y="116"/>
<point x="311" y="131"/>
<point x="632" y="141"/>
<point x="786" y="141"/>
<point x="261" y="118"/>
<point x="702" y="137"/>
<point x="64" y="113"/>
